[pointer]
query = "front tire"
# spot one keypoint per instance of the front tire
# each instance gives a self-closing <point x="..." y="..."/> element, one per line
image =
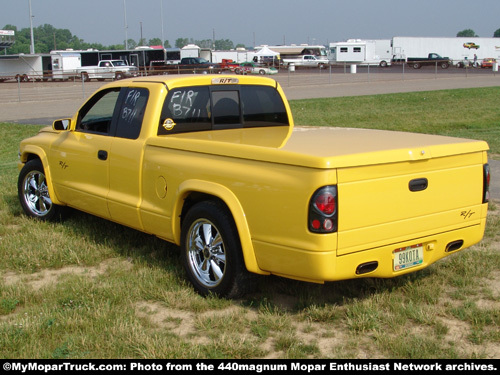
<point x="211" y="252"/>
<point x="33" y="192"/>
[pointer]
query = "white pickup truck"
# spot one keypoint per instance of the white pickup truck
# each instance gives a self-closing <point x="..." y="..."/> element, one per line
<point x="107" y="69"/>
<point x="307" y="61"/>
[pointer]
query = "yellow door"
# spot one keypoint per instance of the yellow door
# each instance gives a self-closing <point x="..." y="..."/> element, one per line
<point x="80" y="158"/>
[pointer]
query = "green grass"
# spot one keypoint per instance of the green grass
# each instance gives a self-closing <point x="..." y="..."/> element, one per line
<point x="88" y="288"/>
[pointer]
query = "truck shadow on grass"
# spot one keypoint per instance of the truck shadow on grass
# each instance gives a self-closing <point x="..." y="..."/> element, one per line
<point x="286" y="294"/>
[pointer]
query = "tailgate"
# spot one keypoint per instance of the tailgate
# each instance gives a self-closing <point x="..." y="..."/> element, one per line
<point x="389" y="203"/>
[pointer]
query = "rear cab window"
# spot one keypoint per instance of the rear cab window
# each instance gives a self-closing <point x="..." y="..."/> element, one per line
<point x="202" y="108"/>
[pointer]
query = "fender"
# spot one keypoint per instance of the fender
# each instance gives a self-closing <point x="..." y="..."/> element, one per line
<point x="227" y="196"/>
<point x="40" y="153"/>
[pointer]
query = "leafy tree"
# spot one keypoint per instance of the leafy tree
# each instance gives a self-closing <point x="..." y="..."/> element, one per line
<point x="181" y="42"/>
<point x="467" y="33"/>
<point x="154" y="42"/>
<point x="48" y="38"/>
<point x="224" y="45"/>
<point x="131" y="43"/>
<point x="205" y="43"/>
<point x="496" y="34"/>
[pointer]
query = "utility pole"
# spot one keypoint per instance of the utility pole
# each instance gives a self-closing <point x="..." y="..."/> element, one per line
<point x="125" y="23"/>
<point x="162" y="34"/>
<point x="32" y="46"/>
<point x="141" y="43"/>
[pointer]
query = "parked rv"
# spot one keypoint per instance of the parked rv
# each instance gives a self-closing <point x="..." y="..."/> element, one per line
<point x="64" y="64"/>
<point x="362" y="52"/>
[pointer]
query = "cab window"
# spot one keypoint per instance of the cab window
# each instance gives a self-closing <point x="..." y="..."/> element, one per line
<point x="133" y="106"/>
<point x="97" y="114"/>
<point x="263" y="106"/>
<point x="215" y="107"/>
<point x="185" y="110"/>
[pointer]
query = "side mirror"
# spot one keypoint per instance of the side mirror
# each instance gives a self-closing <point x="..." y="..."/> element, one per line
<point x="62" y="124"/>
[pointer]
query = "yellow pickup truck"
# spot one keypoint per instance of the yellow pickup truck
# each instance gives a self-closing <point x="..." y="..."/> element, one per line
<point x="214" y="164"/>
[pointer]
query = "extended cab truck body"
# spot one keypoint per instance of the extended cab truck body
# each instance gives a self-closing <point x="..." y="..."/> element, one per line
<point x="107" y="69"/>
<point x="307" y="61"/>
<point x="214" y="164"/>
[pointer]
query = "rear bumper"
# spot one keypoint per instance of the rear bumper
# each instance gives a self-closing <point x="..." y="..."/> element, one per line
<point x="327" y="266"/>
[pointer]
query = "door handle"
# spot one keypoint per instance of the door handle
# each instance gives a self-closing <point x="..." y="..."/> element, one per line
<point x="102" y="155"/>
<point x="418" y="184"/>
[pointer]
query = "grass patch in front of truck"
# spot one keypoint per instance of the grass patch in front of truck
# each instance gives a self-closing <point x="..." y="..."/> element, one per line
<point x="89" y="288"/>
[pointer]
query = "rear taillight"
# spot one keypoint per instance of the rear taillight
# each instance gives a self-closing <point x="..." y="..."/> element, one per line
<point x="486" y="183"/>
<point x="323" y="210"/>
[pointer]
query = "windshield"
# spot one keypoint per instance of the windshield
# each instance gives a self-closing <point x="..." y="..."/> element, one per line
<point x="119" y="63"/>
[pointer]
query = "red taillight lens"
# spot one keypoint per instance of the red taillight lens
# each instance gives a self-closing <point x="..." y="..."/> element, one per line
<point x="325" y="203"/>
<point x="486" y="183"/>
<point x="323" y="210"/>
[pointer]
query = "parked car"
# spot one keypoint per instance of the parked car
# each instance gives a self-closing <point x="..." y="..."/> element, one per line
<point x="488" y="62"/>
<point x="253" y="68"/>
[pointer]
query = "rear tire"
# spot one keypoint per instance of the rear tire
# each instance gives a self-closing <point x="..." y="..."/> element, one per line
<point x="211" y="252"/>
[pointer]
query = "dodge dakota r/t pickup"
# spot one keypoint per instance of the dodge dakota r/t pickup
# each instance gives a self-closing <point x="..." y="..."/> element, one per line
<point x="214" y="164"/>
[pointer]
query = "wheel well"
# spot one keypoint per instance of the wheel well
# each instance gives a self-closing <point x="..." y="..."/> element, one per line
<point x="30" y="157"/>
<point x="196" y="197"/>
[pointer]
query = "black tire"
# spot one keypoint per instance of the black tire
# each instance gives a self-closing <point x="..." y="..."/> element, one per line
<point x="211" y="252"/>
<point x="416" y="65"/>
<point x="444" y="65"/>
<point x="33" y="193"/>
<point x="85" y="77"/>
<point x="119" y="76"/>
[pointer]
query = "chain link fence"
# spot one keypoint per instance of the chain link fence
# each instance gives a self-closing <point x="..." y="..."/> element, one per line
<point x="36" y="89"/>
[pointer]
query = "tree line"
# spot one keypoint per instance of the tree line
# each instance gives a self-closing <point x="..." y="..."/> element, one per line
<point x="48" y="38"/>
<point x="471" y="33"/>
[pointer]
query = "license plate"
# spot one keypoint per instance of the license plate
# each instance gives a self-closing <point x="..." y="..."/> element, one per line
<point x="408" y="257"/>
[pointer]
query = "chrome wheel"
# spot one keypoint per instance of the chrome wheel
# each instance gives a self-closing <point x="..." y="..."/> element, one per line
<point x="36" y="193"/>
<point x="206" y="253"/>
<point x="211" y="251"/>
<point x="33" y="193"/>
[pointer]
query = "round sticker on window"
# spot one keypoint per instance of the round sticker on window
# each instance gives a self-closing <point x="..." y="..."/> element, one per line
<point x="169" y="124"/>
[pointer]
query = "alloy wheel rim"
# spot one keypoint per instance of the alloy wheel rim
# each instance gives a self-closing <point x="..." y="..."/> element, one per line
<point x="36" y="193"/>
<point x="206" y="253"/>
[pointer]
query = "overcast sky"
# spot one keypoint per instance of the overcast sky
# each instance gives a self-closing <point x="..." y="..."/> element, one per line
<point x="256" y="21"/>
